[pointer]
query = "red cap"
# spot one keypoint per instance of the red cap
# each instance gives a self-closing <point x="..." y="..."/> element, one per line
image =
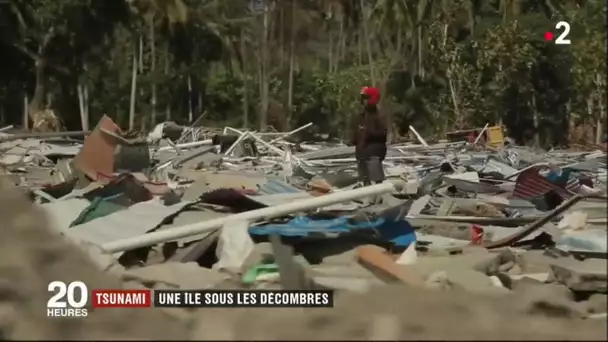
<point x="372" y="95"/>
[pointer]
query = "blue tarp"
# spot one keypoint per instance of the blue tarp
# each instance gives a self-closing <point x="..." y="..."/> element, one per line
<point x="399" y="232"/>
<point x="560" y="178"/>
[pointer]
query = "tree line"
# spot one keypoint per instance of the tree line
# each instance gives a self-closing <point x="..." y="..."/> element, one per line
<point x="441" y="65"/>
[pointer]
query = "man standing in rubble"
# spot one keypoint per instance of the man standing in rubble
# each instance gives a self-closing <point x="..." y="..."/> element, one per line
<point x="369" y="138"/>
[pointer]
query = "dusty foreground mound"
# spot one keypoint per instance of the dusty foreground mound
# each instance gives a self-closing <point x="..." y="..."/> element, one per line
<point x="32" y="257"/>
<point x="395" y="313"/>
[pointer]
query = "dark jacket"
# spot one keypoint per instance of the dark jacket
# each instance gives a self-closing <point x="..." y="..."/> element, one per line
<point x="370" y="135"/>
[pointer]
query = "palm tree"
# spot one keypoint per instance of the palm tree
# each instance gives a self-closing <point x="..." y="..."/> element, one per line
<point x="152" y="13"/>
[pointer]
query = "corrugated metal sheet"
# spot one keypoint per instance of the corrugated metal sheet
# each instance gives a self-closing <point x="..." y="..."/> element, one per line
<point x="467" y="176"/>
<point x="276" y="186"/>
<point x="498" y="166"/>
<point x="514" y="203"/>
<point x="16" y="151"/>
<point x="139" y="219"/>
<point x="573" y="184"/>
<point x="62" y="213"/>
<point x="601" y="147"/>
<point x="467" y="186"/>
<point x="531" y="184"/>
<point x="335" y="152"/>
<point x="340" y="152"/>
<point x="588" y="165"/>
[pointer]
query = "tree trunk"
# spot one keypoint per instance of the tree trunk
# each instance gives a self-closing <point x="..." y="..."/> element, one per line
<point x="504" y="9"/>
<point x="517" y="5"/>
<point x="264" y="80"/>
<point x="26" y="118"/>
<point x="419" y="45"/>
<point x="341" y="47"/>
<point x="359" y="48"/>
<point x="600" y="130"/>
<point x="590" y="116"/>
<point x="245" y="81"/>
<point x="471" y="12"/>
<point x="260" y="80"/>
<point x="152" y="71"/>
<point x="330" y="52"/>
<point x="190" y="109"/>
<point x="368" y="44"/>
<point x="168" y="107"/>
<point x="38" y="99"/>
<point x="84" y="120"/>
<point x="281" y="36"/>
<point x="40" y="64"/>
<point x="86" y="106"/>
<point x="245" y="102"/>
<point x="599" y="122"/>
<point x="571" y="129"/>
<point x="133" y="89"/>
<point x="199" y="102"/>
<point x="292" y="58"/>
<point x="143" y="117"/>
<point x="141" y="55"/>
<point x="454" y="98"/>
<point x="168" y="112"/>
<point x="536" y="119"/>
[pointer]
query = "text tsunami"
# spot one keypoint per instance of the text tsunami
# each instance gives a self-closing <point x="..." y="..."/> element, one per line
<point x="121" y="298"/>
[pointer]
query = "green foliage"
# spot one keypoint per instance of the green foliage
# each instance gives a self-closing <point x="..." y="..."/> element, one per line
<point x="329" y="100"/>
<point x="442" y="65"/>
<point x="223" y="94"/>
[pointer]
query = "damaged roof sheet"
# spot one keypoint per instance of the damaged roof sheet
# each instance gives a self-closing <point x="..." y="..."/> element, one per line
<point x="139" y="219"/>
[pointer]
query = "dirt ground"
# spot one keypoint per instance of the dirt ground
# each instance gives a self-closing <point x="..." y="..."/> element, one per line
<point x="32" y="257"/>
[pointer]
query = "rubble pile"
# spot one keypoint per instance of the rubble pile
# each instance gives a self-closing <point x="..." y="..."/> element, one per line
<point x="192" y="208"/>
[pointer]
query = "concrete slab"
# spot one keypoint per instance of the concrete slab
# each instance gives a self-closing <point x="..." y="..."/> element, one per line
<point x="587" y="275"/>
